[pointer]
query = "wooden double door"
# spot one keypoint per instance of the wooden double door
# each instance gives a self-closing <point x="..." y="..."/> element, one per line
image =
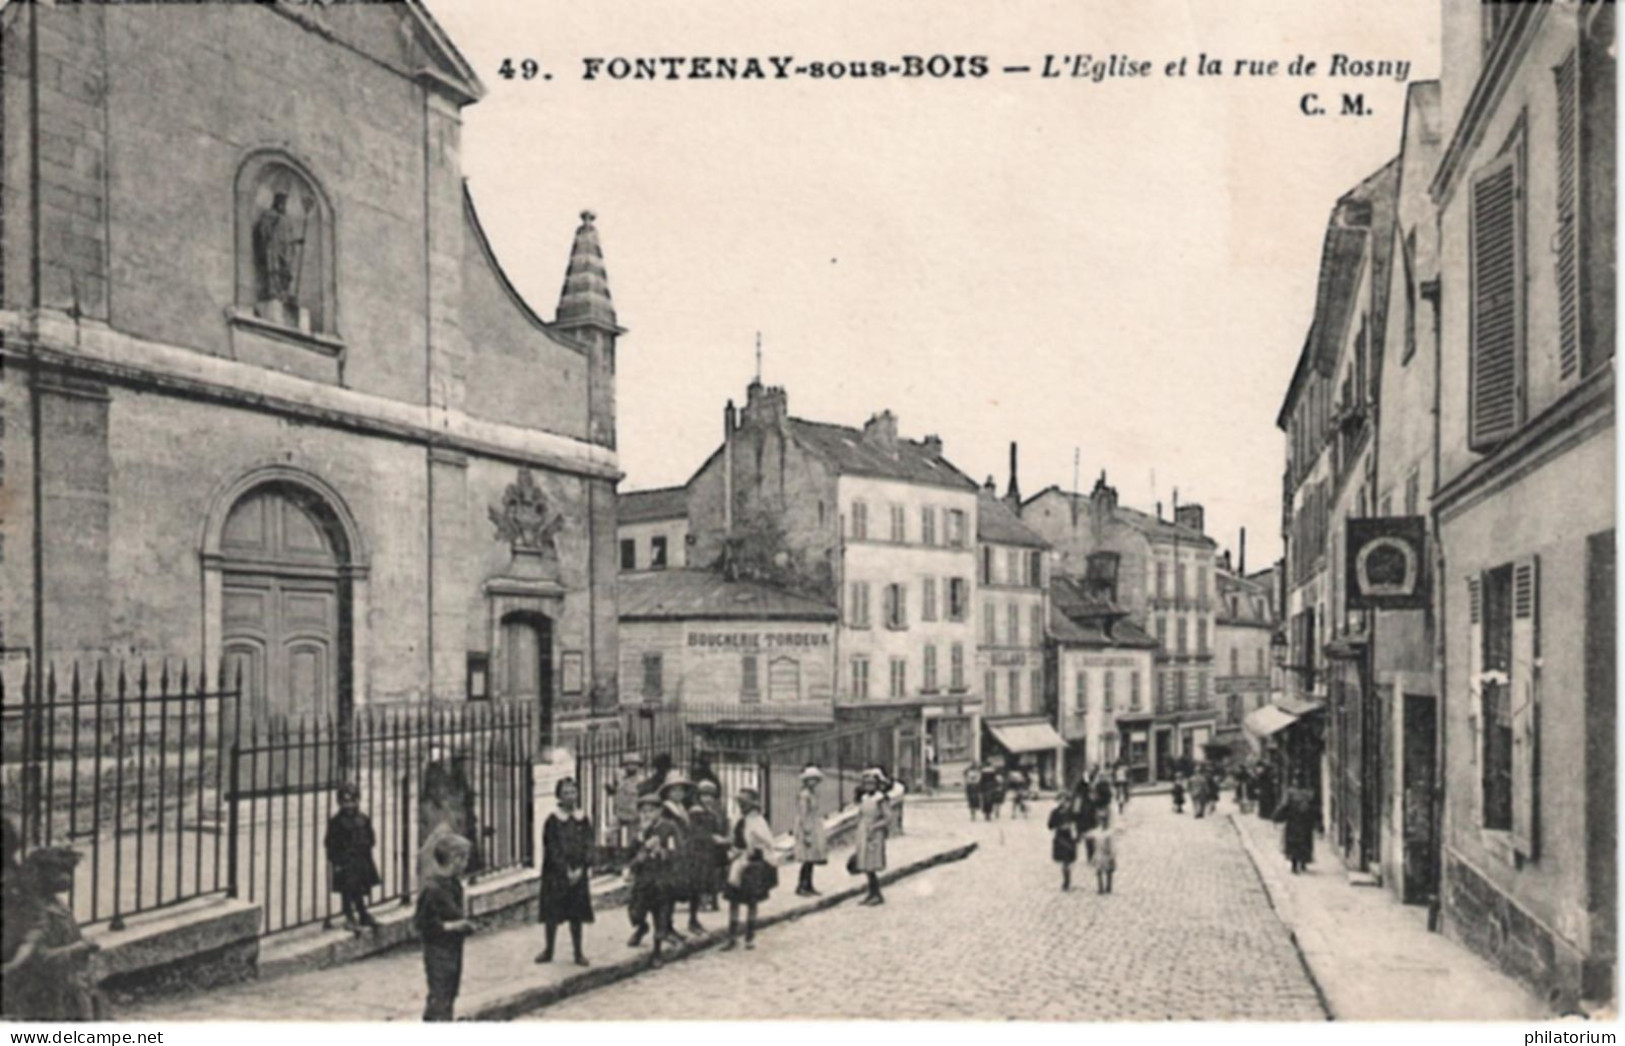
<point x="285" y="602"/>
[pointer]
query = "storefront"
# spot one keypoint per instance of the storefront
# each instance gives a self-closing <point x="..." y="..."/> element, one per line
<point x="1029" y="742"/>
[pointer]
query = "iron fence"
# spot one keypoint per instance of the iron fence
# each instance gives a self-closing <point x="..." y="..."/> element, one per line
<point x="129" y="767"/>
<point x="173" y="791"/>
<point x="465" y="766"/>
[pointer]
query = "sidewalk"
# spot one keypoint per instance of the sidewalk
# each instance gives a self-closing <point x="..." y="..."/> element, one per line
<point x="500" y="979"/>
<point x="1372" y="957"/>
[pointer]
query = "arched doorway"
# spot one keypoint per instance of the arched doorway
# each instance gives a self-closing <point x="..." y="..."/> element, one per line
<point x="285" y="602"/>
<point x="527" y="666"/>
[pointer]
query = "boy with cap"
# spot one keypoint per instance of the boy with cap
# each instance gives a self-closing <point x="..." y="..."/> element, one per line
<point x="443" y="926"/>
<point x="651" y="873"/>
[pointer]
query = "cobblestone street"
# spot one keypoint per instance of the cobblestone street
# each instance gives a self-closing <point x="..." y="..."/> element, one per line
<point x="1188" y="933"/>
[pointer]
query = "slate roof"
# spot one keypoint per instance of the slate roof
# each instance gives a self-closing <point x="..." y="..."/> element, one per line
<point x="850" y="454"/>
<point x="997" y="525"/>
<point x="1081" y="619"/>
<point x="704" y="595"/>
<point x="1142" y="521"/>
<point x="647" y="506"/>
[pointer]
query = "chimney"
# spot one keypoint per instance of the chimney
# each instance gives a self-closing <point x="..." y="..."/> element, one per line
<point x="1241" y="558"/>
<point x="1159" y="511"/>
<point x="990" y="488"/>
<point x="932" y="445"/>
<point x="881" y="430"/>
<point x="730" y="425"/>
<point x="765" y="406"/>
<point x="1190" y="517"/>
<point x="1012" y="494"/>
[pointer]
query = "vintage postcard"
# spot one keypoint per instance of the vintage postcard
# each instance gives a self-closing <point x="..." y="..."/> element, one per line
<point x="818" y="510"/>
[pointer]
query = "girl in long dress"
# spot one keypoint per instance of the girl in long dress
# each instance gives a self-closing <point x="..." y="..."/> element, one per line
<point x="566" y="897"/>
<point x="874" y="824"/>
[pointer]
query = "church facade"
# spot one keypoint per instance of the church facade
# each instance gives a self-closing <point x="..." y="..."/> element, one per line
<point x="270" y="400"/>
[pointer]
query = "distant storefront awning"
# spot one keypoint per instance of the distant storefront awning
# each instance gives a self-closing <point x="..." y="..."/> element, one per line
<point x="1268" y="720"/>
<point x="1026" y="737"/>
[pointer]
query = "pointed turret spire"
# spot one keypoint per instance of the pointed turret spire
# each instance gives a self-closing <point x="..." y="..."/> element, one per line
<point x="585" y="301"/>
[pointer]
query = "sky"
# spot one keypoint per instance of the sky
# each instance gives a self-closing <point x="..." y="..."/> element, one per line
<point x="1121" y="270"/>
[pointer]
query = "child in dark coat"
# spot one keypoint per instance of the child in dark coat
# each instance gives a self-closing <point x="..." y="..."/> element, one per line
<point x="566" y="894"/>
<point x="349" y="846"/>
<point x="443" y="925"/>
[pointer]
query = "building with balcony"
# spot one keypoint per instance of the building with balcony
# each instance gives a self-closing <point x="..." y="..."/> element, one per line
<point x="743" y="662"/>
<point x="1524" y="508"/>
<point x="1012" y="623"/>
<point x="881" y="526"/>
<point x="652" y="529"/>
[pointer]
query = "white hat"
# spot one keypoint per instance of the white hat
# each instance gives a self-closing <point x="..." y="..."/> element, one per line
<point x="812" y="773"/>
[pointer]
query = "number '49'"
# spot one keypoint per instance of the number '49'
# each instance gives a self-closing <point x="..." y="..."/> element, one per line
<point x="526" y="69"/>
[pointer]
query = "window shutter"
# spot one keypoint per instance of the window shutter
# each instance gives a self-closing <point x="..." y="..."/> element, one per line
<point x="1497" y="291"/>
<point x="1475" y="704"/>
<point x="1566" y="242"/>
<point x="1525" y="703"/>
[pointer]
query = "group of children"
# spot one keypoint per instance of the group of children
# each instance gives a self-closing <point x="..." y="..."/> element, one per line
<point x="1085" y="814"/>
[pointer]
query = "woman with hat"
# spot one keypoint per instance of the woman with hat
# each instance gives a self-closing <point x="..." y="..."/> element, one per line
<point x="812" y="848"/>
<point x="751" y="871"/>
<point x="874" y="823"/>
<point x="702" y="830"/>
<point x="708" y="810"/>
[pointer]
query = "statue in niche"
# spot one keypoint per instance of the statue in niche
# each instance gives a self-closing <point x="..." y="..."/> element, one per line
<point x="279" y="244"/>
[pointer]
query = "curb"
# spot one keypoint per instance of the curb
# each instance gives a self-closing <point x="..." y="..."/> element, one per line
<point x="1254" y="858"/>
<point x="506" y="1006"/>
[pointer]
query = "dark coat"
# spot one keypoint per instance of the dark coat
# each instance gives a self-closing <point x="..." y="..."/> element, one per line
<point x="1063" y="822"/>
<point x="349" y="844"/>
<point x="1298" y="817"/>
<point x="566" y="847"/>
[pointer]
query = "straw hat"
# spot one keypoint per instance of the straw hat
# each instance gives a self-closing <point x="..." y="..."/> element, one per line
<point x="675" y="779"/>
<point x="749" y="795"/>
<point x="709" y="788"/>
<point x="812" y="773"/>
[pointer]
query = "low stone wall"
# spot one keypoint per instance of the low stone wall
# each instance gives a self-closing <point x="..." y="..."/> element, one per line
<point x="1490" y="923"/>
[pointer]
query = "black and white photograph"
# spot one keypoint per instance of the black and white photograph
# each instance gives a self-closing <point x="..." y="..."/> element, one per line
<point x="1052" y="511"/>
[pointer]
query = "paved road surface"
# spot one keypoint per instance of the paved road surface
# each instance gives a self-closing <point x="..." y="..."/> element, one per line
<point x="1187" y="934"/>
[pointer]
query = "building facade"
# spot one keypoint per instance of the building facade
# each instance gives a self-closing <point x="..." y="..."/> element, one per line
<point x="1244" y="628"/>
<point x="1402" y="640"/>
<point x="1162" y="577"/>
<point x="884" y="527"/>
<point x="1012" y="623"/>
<point x="1102" y="666"/>
<point x="1524" y="507"/>
<point x="731" y="657"/>
<point x="652" y="528"/>
<point x="271" y="400"/>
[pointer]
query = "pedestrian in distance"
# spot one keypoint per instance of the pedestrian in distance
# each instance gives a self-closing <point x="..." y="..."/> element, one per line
<point x="48" y="974"/>
<point x="1100" y="789"/>
<point x="1120" y="783"/>
<point x="1104" y="853"/>
<point x="1179" y="795"/>
<point x="894" y="802"/>
<point x="443" y="925"/>
<point x="811" y="845"/>
<point x="1065" y="832"/>
<point x="1087" y="815"/>
<point x="651" y="871"/>
<point x="348" y="843"/>
<point x="1199" y="794"/>
<point x="752" y="868"/>
<point x="874" y="823"/>
<point x="1018" y="793"/>
<point x="992" y="792"/>
<point x="566" y="895"/>
<point x="1297" y="816"/>
<point x="973" y="789"/>
<point x="1244" y="781"/>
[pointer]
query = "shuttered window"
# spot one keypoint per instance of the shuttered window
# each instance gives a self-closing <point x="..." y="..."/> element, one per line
<point x="1567" y="241"/>
<point x="1525" y="701"/>
<point x="1497" y="304"/>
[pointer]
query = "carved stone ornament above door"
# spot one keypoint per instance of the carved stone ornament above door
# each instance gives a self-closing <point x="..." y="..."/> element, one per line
<point x="529" y="525"/>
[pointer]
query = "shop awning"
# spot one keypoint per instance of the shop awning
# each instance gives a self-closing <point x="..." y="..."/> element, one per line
<point x="1026" y="737"/>
<point x="1267" y="720"/>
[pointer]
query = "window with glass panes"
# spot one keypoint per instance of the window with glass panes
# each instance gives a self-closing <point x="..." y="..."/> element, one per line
<point x="860" y="676"/>
<point x="928" y="599"/>
<point x="929" y="676"/>
<point x="956" y="666"/>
